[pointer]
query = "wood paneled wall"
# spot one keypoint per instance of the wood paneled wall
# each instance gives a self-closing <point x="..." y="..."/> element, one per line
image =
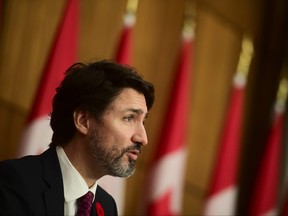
<point x="28" y="28"/>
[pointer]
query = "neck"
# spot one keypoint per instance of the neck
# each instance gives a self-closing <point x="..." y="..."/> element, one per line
<point x="80" y="158"/>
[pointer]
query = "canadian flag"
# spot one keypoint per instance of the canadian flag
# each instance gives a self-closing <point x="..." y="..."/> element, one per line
<point x="124" y="52"/>
<point x="222" y="191"/>
<point x="37" y="133"/>
<point x="114" y="185"/>
<point x="264" y="199"/>
<point x="164" y="192"/>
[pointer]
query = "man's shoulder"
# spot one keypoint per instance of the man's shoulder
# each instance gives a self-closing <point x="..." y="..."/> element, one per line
<point x="21" y="167"/>
<point x="30" y="160"/>
<point x="24" y="182"/>
<point x="25" y="166"/>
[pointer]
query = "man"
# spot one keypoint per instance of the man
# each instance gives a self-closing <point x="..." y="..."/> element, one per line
<point x="98" y="129"/>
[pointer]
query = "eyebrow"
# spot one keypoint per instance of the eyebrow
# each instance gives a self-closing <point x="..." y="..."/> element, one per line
<point x="138" y="112"/>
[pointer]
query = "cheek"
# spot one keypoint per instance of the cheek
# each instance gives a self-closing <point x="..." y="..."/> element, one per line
<point x="117" y="133"/>
<point x="122" y="135"/>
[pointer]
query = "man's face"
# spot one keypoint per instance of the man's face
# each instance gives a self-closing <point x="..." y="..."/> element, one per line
<point x="116" y="142"/>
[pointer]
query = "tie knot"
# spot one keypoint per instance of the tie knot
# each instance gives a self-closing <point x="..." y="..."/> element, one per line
<point x="85" y="204"/>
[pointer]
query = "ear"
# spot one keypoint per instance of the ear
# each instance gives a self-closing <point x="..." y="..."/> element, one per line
<point x="81" y="121"/>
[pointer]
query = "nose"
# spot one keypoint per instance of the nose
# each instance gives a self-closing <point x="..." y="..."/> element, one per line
<point x="140" y="135"/>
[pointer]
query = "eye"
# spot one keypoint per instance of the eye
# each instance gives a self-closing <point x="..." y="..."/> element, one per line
<point x="129" y="118"/>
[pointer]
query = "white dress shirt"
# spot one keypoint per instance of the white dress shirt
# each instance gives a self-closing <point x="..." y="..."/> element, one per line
<point x="74" y="184"/>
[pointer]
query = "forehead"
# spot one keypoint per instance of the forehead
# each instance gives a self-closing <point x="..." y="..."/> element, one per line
<point x="129" y="99"/>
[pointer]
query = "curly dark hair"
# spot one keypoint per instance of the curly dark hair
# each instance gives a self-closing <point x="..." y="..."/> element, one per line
<point x="92" y="87"/>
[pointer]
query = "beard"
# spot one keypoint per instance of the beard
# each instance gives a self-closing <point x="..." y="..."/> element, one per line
<point x="111" y="159"/>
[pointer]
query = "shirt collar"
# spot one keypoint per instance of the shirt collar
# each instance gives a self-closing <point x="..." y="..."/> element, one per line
<point x="74" y="184"/>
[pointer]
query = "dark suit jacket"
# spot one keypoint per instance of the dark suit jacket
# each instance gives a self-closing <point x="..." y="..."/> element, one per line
<point x="33" y="185"/>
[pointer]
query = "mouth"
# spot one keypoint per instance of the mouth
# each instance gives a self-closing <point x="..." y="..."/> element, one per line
<point x="133" y="154"/>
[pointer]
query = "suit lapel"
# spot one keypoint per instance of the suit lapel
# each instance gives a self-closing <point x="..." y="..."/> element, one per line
<point x="107" y="205"/>
<point x="54" y="196"/>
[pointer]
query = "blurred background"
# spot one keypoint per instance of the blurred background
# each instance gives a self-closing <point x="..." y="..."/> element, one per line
<point x="233" y="133"/>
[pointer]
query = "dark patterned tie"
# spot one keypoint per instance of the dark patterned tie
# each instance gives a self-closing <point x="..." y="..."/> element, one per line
<point x="85" y="204"/>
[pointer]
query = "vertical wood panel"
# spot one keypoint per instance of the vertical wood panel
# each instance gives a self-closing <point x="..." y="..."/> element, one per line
<point x="11" y="121"/>
<point x="100" y="27"/>
<point x="4" y="149"/>
<point x="28" y="32"/>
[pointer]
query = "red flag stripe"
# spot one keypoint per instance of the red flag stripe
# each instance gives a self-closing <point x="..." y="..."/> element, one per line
<point x="62" y="55"/>
<point x="175" y="125"/>
<point x="37" y="134"/>
<point x="124" y="52"/>
<point x="223" y="186"/>
<point x="228" y="157"/>
<point x="264" y="198"/>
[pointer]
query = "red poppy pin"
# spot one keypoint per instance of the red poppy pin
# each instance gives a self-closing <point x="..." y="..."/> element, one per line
<point x="99" y="209"/>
